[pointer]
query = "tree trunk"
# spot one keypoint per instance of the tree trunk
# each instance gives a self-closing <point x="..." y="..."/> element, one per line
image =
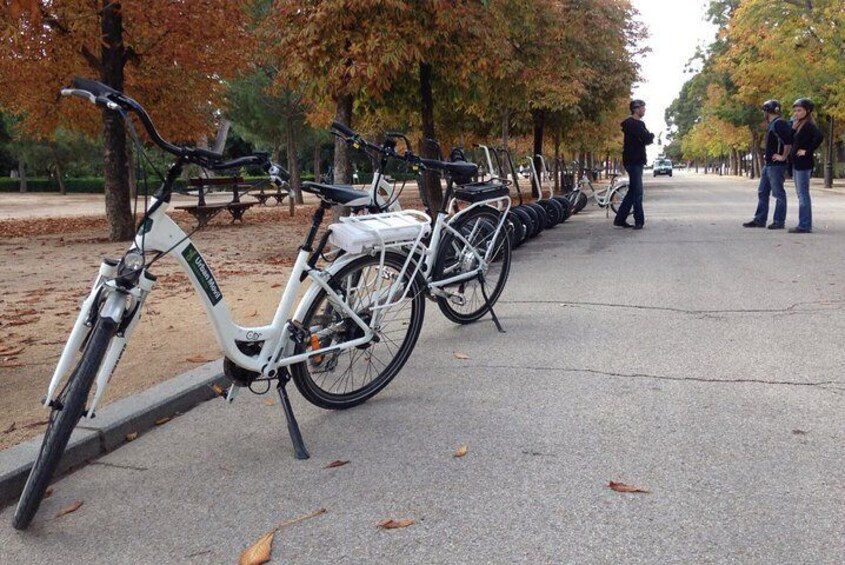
<point x="113" y="53"/>
<point x="431" y="180"/>
<point x="506" y="119"/>
<point x="293" y="162"/>
<point x="539" y="119"/>
<point x="317" y="162"/>
<point x="830" y="156"/>
<point x="557" y="160"/>
<point x="342" y="166"/>
<point x="22" y="175"/>
<point x="60" y="177"/>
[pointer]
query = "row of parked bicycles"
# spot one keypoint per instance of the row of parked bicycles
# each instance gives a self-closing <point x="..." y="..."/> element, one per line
<point x="370" y="273"/>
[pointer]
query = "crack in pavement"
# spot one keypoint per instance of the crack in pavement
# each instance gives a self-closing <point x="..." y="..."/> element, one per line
<point x="119" y="466"/>
<point x="820" y="384"/>
<point x="793" y="309"/>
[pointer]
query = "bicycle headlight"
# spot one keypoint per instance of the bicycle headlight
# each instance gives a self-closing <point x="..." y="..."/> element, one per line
<point x="133" y="261"/>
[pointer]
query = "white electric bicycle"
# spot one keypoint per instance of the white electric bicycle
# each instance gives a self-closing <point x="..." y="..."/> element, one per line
<point x="350" y="334"/>
<point x="609" y="197"/>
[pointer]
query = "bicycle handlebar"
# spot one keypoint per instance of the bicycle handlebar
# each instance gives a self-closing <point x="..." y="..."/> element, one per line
<point x="106" y="97"/>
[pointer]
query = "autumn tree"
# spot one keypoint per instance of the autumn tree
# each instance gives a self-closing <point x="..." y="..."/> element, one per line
<point x="171" y="56"/>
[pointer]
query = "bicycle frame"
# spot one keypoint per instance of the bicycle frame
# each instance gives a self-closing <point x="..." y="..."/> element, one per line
<point x="160" y="233"/>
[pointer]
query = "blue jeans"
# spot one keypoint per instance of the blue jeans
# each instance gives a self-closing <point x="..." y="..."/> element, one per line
<point x="802" y="188"/>
<point x="634" y="198"/>
<point x="772" y="178"/>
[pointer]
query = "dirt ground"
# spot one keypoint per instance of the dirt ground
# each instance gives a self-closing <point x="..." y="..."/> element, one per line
<point x="46" y="268"/>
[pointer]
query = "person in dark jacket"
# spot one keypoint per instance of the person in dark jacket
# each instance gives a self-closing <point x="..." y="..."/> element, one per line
<point x="778" y="145"/>
<point x="634" y="160"/>
<point x="807" y="138"/>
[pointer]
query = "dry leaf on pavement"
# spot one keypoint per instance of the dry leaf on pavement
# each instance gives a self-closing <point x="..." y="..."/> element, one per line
<point x="131" y="436"/>
<point x="269" y="402"/>
<point x="459" y="355"/>
<point x="336" y="463"/>
<point x="259" y="552"/>
<point x="72" y="507"/>
<point x="622" y="487"/>
<point x="198" y="359"/>
<point x="391" y="524"/>
<point x="164" y="420"/>
<point x="461" y="451"/>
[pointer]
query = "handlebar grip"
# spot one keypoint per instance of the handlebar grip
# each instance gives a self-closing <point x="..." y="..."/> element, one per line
<point x="343" y="129"/>
<point x="84" y="94"/>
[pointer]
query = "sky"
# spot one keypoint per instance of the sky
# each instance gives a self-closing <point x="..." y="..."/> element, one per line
<point x="676" y="28"/>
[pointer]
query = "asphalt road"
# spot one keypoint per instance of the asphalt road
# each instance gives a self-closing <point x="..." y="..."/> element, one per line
<point x="695" y="359"/>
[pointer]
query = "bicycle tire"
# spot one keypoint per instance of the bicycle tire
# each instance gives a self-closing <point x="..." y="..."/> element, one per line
<point x="616" y="198"/>
<point x="62" y="421"/>
<point x="450" y="254"/>
<point x="324" y="365"/>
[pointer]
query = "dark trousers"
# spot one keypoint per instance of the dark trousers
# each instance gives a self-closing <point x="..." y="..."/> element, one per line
<point x="634" y="198"/>
<point x="772" y="178"/>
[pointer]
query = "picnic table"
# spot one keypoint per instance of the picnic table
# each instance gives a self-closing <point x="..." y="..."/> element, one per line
<point x="204" y="211"/>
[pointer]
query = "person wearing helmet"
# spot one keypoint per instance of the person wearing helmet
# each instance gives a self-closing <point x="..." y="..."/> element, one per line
<point x="807" y="138"/>
<point x="634" y="160"/>
<point x="778" y="142"/>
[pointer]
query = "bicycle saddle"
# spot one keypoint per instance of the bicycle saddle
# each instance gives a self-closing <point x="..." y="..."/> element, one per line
<point x="459" y="169"/>
<point x="338" y="194"/>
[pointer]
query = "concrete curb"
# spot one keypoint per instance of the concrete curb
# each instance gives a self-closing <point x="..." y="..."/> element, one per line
<point x="106" y="432"/>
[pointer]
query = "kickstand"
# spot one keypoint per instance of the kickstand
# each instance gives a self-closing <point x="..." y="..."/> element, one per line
<point x="486" y="299"/>
<point x="293" y="427"/>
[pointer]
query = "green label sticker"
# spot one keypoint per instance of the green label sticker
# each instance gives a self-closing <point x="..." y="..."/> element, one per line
<point x="203" y="274"/>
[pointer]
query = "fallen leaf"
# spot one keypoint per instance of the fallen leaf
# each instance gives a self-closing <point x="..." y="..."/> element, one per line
<point x="336" y="463"/>
<point x="218" y="390"/>
<point x="254" y="314"/>
<point x="799" y="432"/>
<point x="394" y="524"/>
<point x="36" y="424"/>
<point x="277" y="285"/>
<point x="164" y="420"/>
<point x="459" y="355"/>
<point x="259" y="552"/>
<point x="198" y="359"/>
<point x="48" y="493"/>
<point x="131" y="436"/>
<point x="461" y="451"/>
<point x="622" y="487"/>
<point x="11" y="428"/>
<point x="269" y="402"/>
<point x="72" y="507"/>
<point x="11" y="351"/>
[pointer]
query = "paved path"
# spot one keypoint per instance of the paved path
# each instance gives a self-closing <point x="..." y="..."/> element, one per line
<point x="696" y="359"/>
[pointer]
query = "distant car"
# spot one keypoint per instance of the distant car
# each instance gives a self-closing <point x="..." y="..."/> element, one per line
<point x="663" y="167"/>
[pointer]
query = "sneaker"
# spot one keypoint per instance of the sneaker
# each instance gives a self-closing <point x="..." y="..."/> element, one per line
<point x="753" y="224"/>
<point x="800" y="230"/>
<point x="622" y="224"/>
<point x="638" y="226"/>
<point x="775" y="226"/>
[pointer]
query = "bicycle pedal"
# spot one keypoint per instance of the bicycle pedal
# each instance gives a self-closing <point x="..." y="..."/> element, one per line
<point x="298" y="332"/>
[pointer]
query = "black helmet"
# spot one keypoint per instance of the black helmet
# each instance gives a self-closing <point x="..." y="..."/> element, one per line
<point x="636" y="104"/>
<point x="771" y="106"/>
<point x="805" y="103"/>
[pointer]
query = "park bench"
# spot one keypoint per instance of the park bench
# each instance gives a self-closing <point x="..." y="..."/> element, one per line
<point x="263" y="197"/>
<point x="204" y="211"/>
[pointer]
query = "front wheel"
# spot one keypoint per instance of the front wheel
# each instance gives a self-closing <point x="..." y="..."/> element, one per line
<point x="454" y="256"/>
<point x="67" y="411"/>
<point x="344" y="378"/>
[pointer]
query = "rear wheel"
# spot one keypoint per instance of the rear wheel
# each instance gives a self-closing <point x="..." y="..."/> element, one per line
<point x="517" y="235"/>
<point x="617" y="196"/>
<point x="344" y="378"/>
<point x="527" y="220"/>
<point x="455" y="257"/>
<point x="67" y="411"/>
